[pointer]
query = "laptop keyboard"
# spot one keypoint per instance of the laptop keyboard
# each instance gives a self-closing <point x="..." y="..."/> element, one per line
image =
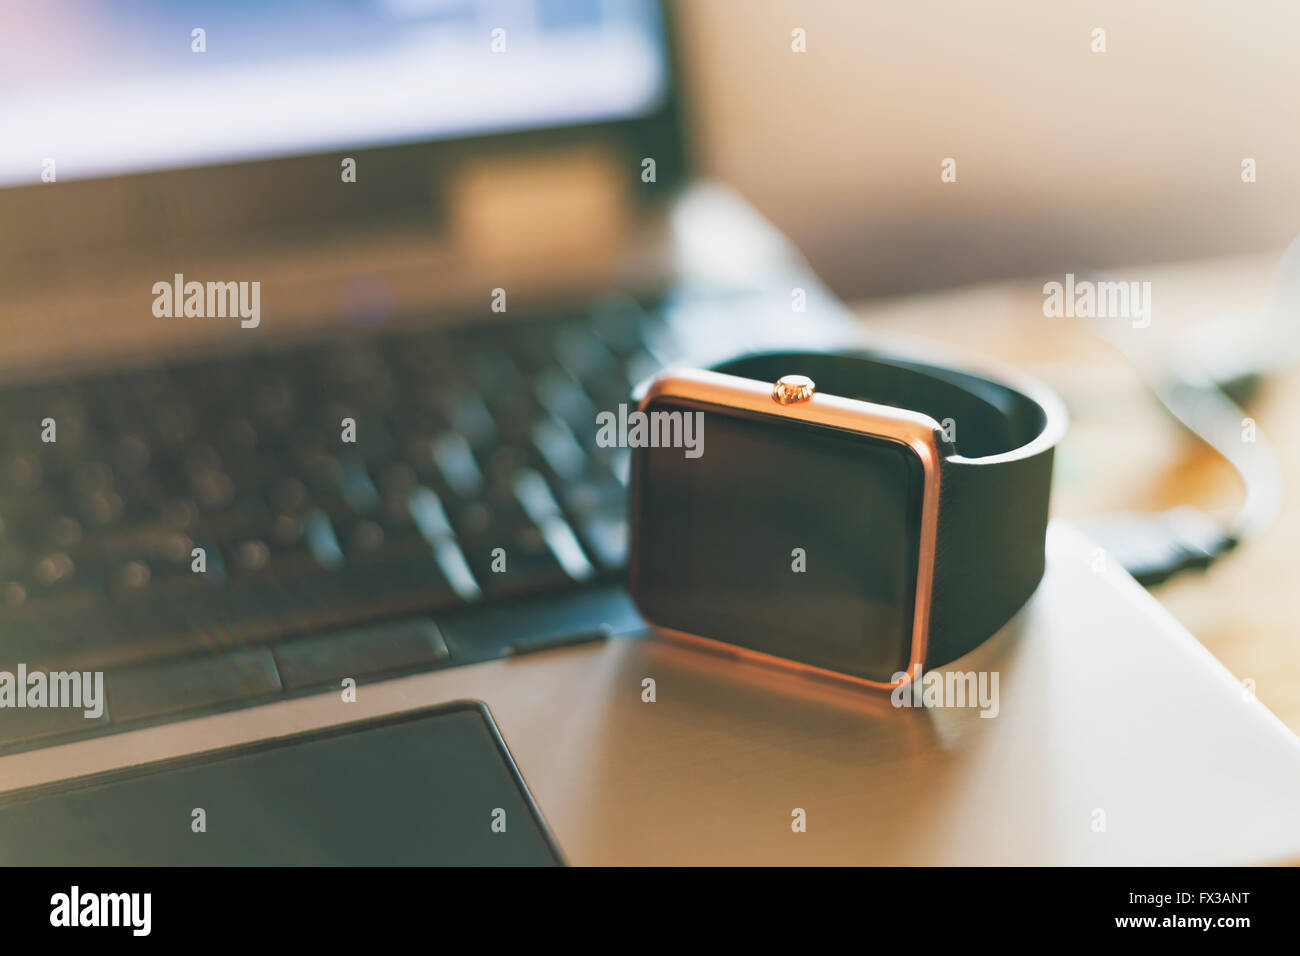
<point x="212" y="533"/>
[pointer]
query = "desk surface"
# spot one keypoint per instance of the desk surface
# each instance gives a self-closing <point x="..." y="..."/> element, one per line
<point x="1124" y="453"/>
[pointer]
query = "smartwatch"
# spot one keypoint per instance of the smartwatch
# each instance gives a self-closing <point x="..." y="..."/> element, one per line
<point x="855" y="514"/>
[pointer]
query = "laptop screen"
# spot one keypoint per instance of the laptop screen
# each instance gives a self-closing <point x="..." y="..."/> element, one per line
<point x="107" y="87"/>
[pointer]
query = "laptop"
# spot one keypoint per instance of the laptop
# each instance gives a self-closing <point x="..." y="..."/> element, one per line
<point x="309" y="318"/>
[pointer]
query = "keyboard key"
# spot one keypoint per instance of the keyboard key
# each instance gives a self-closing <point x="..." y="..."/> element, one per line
<point x="361" y="652"/>
<point x="559" y="447"/>
<point x="362" y="539"/>
<point x="191" y="684"/>
<point x="581" y="354"/>
<point x="513" y="561"/>
<point x="605" y="535"/>
<point x="375" y="443"/>
<point x="456" y="462"/>
<point x="471" y="418"/>
<point x="564" y="545"/>
<point x="429" y="515"/>
<point x="322" y="540"/>
<point x="489" y="631"/>
<point x="451" y="560"/>
<point x="359" y="490"/>
<point x="19" y="726"/>
<point x="436" y="530"/>
<point x="564" y="398"/>
<point x="502" y="463"/>
<point x="534" y="495"/>
<point x="541" y="506"/>
<point x="253" y="555"/>
<point x="594" y="493"/>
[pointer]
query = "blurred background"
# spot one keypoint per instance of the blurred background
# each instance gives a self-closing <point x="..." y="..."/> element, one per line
<point x="1064" y="156"/>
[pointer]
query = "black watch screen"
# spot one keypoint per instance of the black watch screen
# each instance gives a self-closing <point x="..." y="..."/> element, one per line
<point x="787" y="538"/>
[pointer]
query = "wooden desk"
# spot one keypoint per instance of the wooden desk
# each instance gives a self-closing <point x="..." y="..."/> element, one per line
<point x="1124" y="452"/>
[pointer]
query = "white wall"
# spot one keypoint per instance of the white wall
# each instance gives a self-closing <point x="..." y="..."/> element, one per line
<point x="1065" y="157"/>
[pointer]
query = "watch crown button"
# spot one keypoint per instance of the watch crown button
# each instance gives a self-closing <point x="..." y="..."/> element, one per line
<point x="793" y="389"/>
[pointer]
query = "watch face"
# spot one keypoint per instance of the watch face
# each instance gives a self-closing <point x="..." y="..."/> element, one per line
<point x="783" y="537"/>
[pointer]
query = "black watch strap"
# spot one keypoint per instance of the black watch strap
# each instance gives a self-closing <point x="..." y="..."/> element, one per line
<point x="994" y="480"/>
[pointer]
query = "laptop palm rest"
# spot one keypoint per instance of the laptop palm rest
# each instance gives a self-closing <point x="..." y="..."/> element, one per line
<point x="430" y="787"/>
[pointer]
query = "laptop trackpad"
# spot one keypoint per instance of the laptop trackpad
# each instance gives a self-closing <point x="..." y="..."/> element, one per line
<point x="433" y="787"/>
